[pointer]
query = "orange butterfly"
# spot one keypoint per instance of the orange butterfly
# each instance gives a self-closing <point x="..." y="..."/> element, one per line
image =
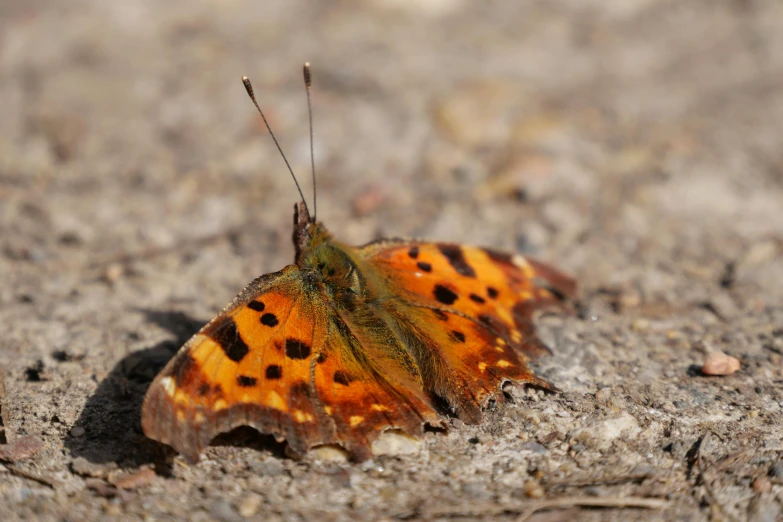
<point x="351" y="341"/>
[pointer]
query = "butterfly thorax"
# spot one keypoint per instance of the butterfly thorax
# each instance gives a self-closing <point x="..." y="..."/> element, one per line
<point x="328" y="265"/>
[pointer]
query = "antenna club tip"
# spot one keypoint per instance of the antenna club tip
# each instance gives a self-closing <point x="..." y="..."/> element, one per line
<point x="307" y="76"/>
<point x="248" y="86"/>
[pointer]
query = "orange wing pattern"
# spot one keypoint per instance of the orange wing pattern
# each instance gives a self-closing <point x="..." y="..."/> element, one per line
<point x="281" y="360"/>
<point x="427" y="322"/>
<point x="476" y="307"/>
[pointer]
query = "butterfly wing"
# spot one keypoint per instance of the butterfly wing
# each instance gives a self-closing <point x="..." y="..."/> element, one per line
<point x="476" y="307"/>
<point x="279" y="359"/>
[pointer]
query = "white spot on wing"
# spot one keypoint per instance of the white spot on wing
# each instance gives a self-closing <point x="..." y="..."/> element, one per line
<point x="520" y="261"/>
<point x="169" y="385"/>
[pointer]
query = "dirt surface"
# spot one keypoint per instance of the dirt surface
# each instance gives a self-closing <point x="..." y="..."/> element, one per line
<point x="636" y="145"/>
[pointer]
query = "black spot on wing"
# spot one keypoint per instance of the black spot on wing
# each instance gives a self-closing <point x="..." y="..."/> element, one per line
<point x="296" y="349"/>
<point x="457" y="336"/>
<point x="246" y="381"/>
<point x="269" y="319"/>
<point x="444" y="295"/>
<point x="340" y="377"/>
<point x="227" y="336"/>
<point x="321" y="358"/>
<point x="477" y="299"/>
<point x="492" y="292"/>
<point x="424" y="267"/>
<point x="413" y="252"/>
<point x="203" y="389"/>
<point x="274" y="372"/>
<point x="456" y="258"/>
<point x="258" y="306"/>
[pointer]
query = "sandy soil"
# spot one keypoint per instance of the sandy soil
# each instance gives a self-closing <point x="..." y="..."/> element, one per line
<point x="636" y="145"/>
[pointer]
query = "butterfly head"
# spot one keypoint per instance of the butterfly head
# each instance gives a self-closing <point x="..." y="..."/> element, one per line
<point x="323" y="260"/>
<point x="308" y="234"/>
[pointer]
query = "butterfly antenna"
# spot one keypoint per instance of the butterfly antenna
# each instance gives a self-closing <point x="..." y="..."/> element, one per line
<point x="308" y="83"/>
<point x="249" y="89"/>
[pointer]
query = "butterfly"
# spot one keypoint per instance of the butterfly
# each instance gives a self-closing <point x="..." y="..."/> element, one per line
<point x="349" y="342"/>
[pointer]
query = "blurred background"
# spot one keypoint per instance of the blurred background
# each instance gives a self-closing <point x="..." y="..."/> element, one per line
<point x="499" y="123"/>
<point x="635" y="144"/>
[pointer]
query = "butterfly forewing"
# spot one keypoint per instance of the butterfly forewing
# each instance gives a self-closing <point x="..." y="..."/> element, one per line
<point x="235" y="370"/>
<point x="280" y="359"/>
<point x="475" y="307"/>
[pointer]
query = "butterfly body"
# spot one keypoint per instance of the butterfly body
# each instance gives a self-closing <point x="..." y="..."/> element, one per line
<point x="351" y="341"/>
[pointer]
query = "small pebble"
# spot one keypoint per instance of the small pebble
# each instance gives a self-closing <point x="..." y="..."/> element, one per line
<point x="533" y="489"/>
<point x="718" y="363"/>
<point x="762" y="485"/>
<point x="603" y="395"/>
<point x="249" y="505"/>
<point x="135" y="480"/>
<point x="113" y="272"/>
<point x="77" y="431"/>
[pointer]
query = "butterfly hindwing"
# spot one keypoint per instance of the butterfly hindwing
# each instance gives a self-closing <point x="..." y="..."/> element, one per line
<point x="364" y="392"/>
<point x="475" y="308"/>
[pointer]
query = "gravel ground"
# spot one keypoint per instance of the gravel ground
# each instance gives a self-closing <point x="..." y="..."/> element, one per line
<point x="636" y="145"/>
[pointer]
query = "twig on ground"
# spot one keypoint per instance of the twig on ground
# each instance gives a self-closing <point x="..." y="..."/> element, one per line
<point x="526" y="509"/>
<point x="600" y="481"/>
